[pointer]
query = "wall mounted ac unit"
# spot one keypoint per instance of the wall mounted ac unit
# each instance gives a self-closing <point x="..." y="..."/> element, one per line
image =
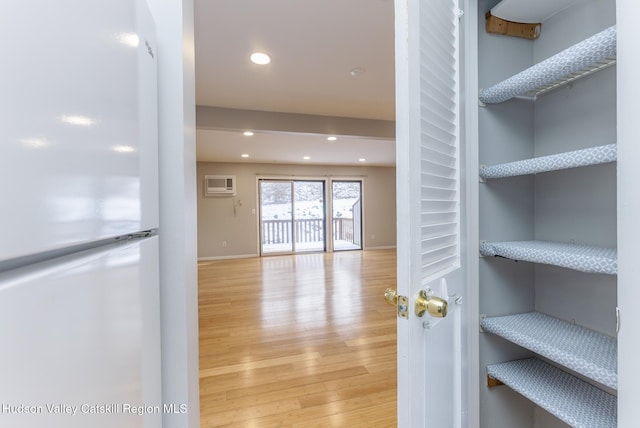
<point x="216" y="185"/>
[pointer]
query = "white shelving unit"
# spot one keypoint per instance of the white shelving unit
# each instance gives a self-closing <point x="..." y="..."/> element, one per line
<point x="513" y="125"/>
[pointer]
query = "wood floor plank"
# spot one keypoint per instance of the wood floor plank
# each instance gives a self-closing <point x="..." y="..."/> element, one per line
<point x="253" y="412"/>
<point x="298" y="341"/>
<point x="297" y="379"/>
<point x="325" y="397"/>
<point x="257" y="364"/>
<point x="377" y="404"/>
<point x="367" y="417"/>
<point x="215" y="406"/>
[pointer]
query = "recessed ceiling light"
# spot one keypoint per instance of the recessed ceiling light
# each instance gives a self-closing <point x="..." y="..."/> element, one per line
<point x="244" y="155"/>
<point x="247" y="133"/>
<point x="332" y="138"/>
<point x="362" y="160"/>
<point x="306" y="157"/>
<point x="260" y="58"/>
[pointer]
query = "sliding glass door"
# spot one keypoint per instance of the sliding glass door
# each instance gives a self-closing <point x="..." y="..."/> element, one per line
<point x="276" y="214"/>
<point x="346" y="200"/>
<point x="292" y="216"/>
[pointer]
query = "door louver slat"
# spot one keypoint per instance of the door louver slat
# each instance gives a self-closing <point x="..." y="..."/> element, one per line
<point x="440" y="184"/>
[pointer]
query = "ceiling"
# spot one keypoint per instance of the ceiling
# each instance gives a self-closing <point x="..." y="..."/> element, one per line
<point x="329" y="58"/>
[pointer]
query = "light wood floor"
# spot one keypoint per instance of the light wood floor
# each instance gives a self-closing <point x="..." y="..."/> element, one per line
<point x="298" y="341"/>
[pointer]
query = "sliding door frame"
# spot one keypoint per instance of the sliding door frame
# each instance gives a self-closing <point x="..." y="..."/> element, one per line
<point x="359" y="180"/>
<point x="292" y="181"/>
<point x="328" y="198"/>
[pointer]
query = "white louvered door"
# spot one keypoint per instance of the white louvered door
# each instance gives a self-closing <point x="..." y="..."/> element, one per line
<point x="429" y="211"/>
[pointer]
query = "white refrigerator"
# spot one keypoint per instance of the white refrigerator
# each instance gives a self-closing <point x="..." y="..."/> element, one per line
<point x="79" y="293"/>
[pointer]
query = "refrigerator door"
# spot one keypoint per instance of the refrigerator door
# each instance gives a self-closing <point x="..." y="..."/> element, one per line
<point x="73" y="349"/>
<point x="78" y="149"/>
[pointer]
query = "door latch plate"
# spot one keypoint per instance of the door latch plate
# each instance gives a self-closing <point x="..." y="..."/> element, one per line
<point x="403" y="307"/>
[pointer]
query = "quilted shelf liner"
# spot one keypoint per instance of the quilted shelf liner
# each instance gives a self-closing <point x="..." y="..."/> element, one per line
<point x="584" y="351"/>
<point x="572" y="400"/>
<point x="584" y="258"/>
<point x="586" y="57"/>
<point x="574" y="159"/>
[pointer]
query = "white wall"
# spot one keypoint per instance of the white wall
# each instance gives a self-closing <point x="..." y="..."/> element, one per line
<point x="506" y="212"/>
<point x="178" y="268"/>
<point x="218" y="220"/>
<point x="576" y="205"/>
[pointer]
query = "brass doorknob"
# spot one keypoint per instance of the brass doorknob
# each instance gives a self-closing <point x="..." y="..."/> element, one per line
<point x="436" y="306"/>
<point x="391" y="296"/>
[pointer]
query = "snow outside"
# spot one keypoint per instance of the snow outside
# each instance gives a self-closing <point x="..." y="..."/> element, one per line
<point x="276" y="199"/>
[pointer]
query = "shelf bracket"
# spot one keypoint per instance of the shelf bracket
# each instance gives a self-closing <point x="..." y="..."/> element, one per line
<point x="491" y="382"/>
<point x="480" y="103"/>
<point x="501" y="26"/>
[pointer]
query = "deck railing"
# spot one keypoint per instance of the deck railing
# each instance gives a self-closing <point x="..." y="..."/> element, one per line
<point x="306" y="230"/>
<point x="343" y="229"/>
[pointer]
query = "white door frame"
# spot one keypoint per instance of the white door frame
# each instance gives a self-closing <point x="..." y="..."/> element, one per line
<point x="470" y="165"/>
<point x="628" y="128"/>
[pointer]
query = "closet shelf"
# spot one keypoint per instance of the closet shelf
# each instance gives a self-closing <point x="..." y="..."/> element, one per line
<point x="584" y="258"/>
<point x="572" y="400"/>
<point x="527" y="11"/>
<point x="573" y="159"/>
<point x="588" y="56"/>
<point x="584" y="351"/>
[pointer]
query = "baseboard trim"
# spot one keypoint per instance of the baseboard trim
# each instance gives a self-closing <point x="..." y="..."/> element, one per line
<point x="386" y="247"/>
<point x="237" y="256"/>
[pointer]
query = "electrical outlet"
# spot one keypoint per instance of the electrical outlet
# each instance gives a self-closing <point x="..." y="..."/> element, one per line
<point x="373" y="236"/>
<point x="224" y="243"/>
